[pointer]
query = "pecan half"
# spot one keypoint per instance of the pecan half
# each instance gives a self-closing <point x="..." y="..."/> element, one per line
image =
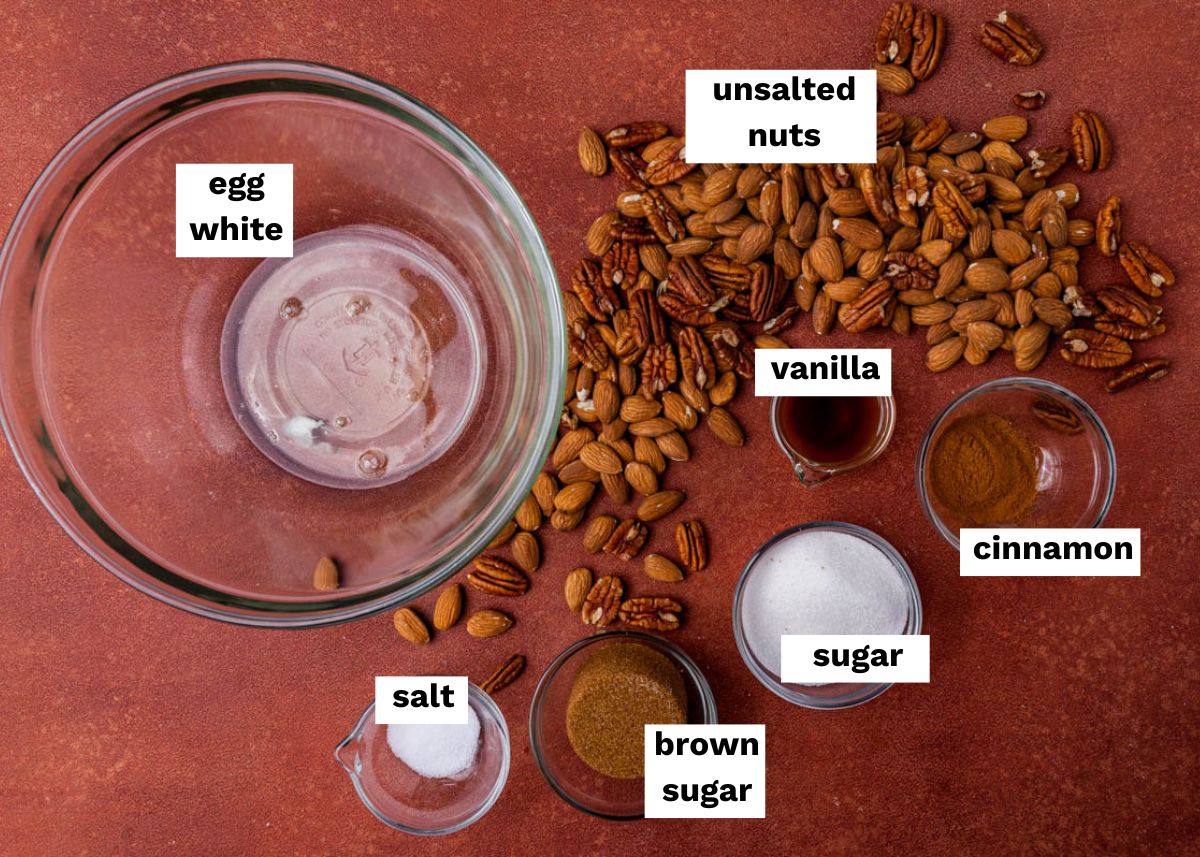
<point x="1128" y="305"/>
<point x="1007" y="37"/>
<point x="766" y="289"/>
<point x="1131" y="332"/>
<point x="931" y="135"/>
<point x="1108" y="226"/>
<point x="695" y="315"/>
<point x="956" y="213"/>
<point x="596" y="295"/>
<point x="635" y="134"/>
<point x="496" y="576"/>
<point x="603" y="601"/>
<point x="687" y="279"/>
<point x="627" y="539"/>
<point x="929" y="35"/>
<point x="910" y="192"/>
<point x="695" y="359"/>
<point x="894" y="39"/>
<point x="1094" y="350"/>
<point x="834" y="175"/>
<point x="888" y="128"/>
<point x="659" y="369"/>
<point x="867" y="310"/>
<point x="1045" y="161"/>
<point x="732" y="351"/>
<point x="662" y="217"/>
<point x="1030" y="99"/>
<point x="507" y="673"/>
<point x="1145" y="269"/>
<point x="692" y="545"/>
<point x="630" y="166"/>
<point x="1056" y="415"/>
<point x="904" y="270"/>
<point x="1090" y="142"/>
<point x="668" y="166"/>
<point x="652" y="613"/>
<point x="876" y="188"/>
<point x="726" y="273"/>
<point x="586" y="345"/>
<point x="620" y="265"/>
<point x="1136" y="373"/>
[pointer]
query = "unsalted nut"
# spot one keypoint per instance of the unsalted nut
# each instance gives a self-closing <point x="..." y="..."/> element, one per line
<point x="410" y="626"/>
<point x="659" y="505"/>
<point x="495" y="576"/>
<point x="1094" y="350"/>
<point x="488" y="623"/>
<point x="1128" y="305"/>
<point x="529" y="514"/>
<point x="598" y="531"/>
<point x="593" y="155"/>
<point x="725" y="427"/>
<point x="893" y="40"/>
<point x="601" y="457"/>
<point x="652" y="613"/>
<point x="448" y="607"/>
<point x="505" y="675"/>
<point x="956" y="213"/>
<point x="945" y="354"/>
<point x="635" y="134"/>
<point x="325" y="575"/>
<point x="1007" y="37"/>
<point x="603" y="600"/>
<point x="627" y="539"/>
<point x="1090" y="142"/>
<point x="1029" y="99"/>
<point x="1135" y="373"/>
<point x="1146" y="270"/>
<point x="929" y="36"/>
<point x="526" y="551"/>
<point x="574" y="497"/>
<point x="576" y="587"/>
<point x="692" y="544"/>
<point x="1108" y="226"/>
<point x="659" y="567"/>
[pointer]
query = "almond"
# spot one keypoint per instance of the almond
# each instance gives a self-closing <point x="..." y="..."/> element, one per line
<point x="653" y="427"/>
<point x="488" y="623"/>
<point x="642" y="478"/>
<point x="325" y="575"/>
<point x="577" y="471"/>
<point x="858" y="231"/>
<point x="529" y="514"/>
<point x="723" y="391"/>
<point x="893" y="78"/>
<point x="725" y="426"/>
<point x="593" y="154"/>
<point x="754" y="241"/>
<point x="678" y="411"/>
<point x="615" y="487"/>
<point x="987" y="276"/>
<point x="599" y="238"/>
<point x="826" y="259"/>
<point x="659" y="505"/>
<point x="576" y="588"/>
<point x="658" y="567"/>
<point x="984" y="335"/>
<point x="598" y="531"/>
<point x="600" y="457"/>
<point x="574" y="497"/>
<point x="544" y="489"/>
<point x="647" y="451"/>
<point x="566" y="521"/>
<point x="945" y="354"/>
<point x="448" y="607"/>
<point x="410" y="626"/>
<point x="569" y="445"/>
<point x="673" y="446"/>
<point x="637" y="408"/>
<point x="606" y="399"/>
<point x="526" y="551"/>
<point x="1007" y="128"/>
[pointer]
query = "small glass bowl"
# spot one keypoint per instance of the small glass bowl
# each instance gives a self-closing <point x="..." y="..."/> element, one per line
<point x="819" y="696"/>
<point x="403" y="799"/>
<point x="575" y="782"/>
<point x="1077" y="467"/>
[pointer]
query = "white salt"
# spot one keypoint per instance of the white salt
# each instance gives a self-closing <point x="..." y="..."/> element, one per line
<point x="435" y="749"/>
<point x="821" y="582"/>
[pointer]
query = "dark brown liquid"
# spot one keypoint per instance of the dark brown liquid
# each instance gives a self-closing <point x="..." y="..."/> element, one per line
<point x="829" y="429"/>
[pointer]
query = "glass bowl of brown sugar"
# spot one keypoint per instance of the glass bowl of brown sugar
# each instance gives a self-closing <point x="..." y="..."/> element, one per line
<point x="1016" y="452"/>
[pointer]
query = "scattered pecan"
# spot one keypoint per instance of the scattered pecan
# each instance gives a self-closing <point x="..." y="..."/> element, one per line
<point x="1047" y="160"/>
<point x="929" y="35"/>
<point x="1131" y="332"/>
<point x="867" y="310"/>
<point x="733" y="352"/>
<point x="1090" y="142"/>
<point x="931" y="134"/>
<point x="1145" y="269"/>
<point x="508" y="672"/>
<point x="876" y="187"/>
<point x="910" y="192"/>
<point x="1030" y="99"/>
<point x="668" y="166"/>
<point x="586" y="345"/>
<point x="726" y="273"/>
<point x="1094" y="350"/>
<point x="695" y="359"/>
<point x="888" y="128"/>
<point x="692" y="544"/>
<point x="956" y="213"/>
<point x="603" y="601"/>
<point x="904" y="270"/>
<point x="630" y="166"/>
<point x="767" y="287"/>
<point x="627" y="539"/>
<point x="652" y="613"/>
<point x="687" y="279"/>
<point x="1056" y="415"/>
<point x="684" y="312"/>
<point x="597" y="296"/>
<point x="1108" y="226"/>
<point x="1128" y="305"/>
<point x="662" y="217"/>
<point x="1135" y="373"/>
<point x="635" y="134"/>
<point x="620" y="265"/>
<point x="496" y="576"/>
<point x="659" y="369"/>
<point x="1007" y="37"/>
<point x="834" y="175"/>
<point x="894" y="40"/>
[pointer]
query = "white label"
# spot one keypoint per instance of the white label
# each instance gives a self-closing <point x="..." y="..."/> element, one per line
<point x="823" y="372"/>
<point x="1050" y="552"/>
<point x="697" y="771"/>
<point x="857" y="658"/>
<point x="780" y="117"/>
<point x="421" y="699"/>
<point x="233" y="210"/>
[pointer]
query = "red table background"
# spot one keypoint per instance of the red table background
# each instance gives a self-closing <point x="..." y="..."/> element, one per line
<point x="1062" y="715"/>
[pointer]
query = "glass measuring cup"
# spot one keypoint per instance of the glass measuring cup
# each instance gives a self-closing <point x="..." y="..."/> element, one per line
<point x="811" y="471"/>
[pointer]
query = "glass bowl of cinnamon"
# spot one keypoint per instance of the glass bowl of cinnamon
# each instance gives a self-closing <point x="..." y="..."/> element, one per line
<point x="1016" y="452"/>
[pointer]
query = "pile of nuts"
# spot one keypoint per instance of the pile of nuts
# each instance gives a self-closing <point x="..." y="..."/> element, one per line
<point x="956" y="231"/>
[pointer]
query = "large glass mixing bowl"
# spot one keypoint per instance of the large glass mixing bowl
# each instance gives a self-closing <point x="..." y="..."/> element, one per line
<point x="111" y="385"/>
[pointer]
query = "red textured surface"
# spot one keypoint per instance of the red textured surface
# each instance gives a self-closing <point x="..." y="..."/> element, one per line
<point x="1062" y="716"/>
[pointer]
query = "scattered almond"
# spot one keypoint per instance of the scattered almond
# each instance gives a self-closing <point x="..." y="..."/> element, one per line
<point x="488" y="623"/>
<point x="448" y="607"/>
<point x="325" y="575"/>
<point x="410" y="626"/>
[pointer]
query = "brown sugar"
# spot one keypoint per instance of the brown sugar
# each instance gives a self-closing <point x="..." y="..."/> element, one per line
<point x="617" y="691"/>
<point x="984" y="469"/>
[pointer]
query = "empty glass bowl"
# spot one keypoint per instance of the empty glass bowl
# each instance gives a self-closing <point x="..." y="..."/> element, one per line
<point x="405" y="800"/>
<point x="1077" y="466"/>
<point x="111" y="349"/>
<point x="575" y="782"/>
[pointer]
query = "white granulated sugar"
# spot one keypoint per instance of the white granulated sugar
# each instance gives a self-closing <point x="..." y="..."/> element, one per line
<point x="435" y="749"/>
<point x="821" y="582"/>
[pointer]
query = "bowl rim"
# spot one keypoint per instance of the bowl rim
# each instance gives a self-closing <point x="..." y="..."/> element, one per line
<point x="858" y="693"/>
<point x="536" y="703"/>
<point x="474" y="694"/>
<point x="174" y="589"/>
<point x="1016" y="382"/>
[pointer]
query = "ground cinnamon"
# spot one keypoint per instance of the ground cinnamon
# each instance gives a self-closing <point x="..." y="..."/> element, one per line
<point x="984" y="469"/>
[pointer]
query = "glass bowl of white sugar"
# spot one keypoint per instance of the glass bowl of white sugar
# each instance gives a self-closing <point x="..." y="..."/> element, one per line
<point x="824" y="577"/>
<point x="429" y="780"/>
